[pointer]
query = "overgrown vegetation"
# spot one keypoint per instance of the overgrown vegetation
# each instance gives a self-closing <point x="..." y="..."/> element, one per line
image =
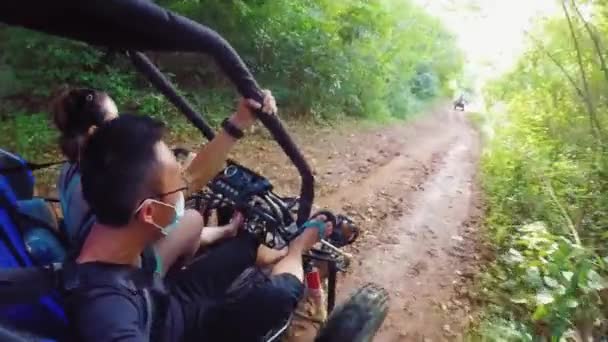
<point x="323" y="59"/>
<point x="546" y="179"/>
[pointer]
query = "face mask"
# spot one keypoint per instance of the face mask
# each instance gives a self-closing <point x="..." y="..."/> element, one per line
<point x="179" y="207"/>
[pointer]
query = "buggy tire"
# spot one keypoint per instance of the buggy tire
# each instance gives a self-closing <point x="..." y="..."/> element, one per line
<point x="359" y="318"/>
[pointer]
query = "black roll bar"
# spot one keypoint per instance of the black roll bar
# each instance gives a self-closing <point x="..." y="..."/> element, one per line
<point x="163" y="85"/>
<point x="141" y="25"/>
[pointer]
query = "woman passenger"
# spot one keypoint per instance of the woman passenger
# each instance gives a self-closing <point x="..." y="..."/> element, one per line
<point x="76" y="114"/>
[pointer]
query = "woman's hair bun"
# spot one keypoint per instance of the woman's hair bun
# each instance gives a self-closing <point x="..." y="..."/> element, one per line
<point x="76" y="110"/>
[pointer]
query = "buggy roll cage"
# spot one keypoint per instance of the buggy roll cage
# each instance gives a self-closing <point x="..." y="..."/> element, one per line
<point x="131" y="26"/>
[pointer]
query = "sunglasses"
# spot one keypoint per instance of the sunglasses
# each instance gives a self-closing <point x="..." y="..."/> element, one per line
<point x="159" y="196"/>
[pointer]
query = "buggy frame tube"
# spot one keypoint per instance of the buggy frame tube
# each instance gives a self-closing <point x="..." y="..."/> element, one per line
<point x="162" y="84"/>
<point x="332" y="279"/>
<point x="280" y="135"/>
<point x="331" y="286"/>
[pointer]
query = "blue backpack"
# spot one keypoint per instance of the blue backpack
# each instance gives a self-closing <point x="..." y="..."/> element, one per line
<point x="42" y="316"/>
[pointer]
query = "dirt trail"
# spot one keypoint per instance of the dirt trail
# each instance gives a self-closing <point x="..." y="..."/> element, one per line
<point x="412" y="188"/>
<point x="418" y="255"/>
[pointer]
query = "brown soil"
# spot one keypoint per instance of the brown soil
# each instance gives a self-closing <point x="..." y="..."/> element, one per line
<point x="412" y="187"/>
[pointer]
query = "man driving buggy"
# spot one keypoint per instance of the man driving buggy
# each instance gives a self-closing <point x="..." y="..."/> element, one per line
<point x="136" y="189"/>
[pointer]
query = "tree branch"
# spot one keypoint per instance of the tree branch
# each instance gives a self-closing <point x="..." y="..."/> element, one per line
<point x="587" y="98"/>
<point x="557" y="63"/>
<point x="563" y="212"/>
<point x="571" y="79"/>
<point x="594" y="38"/>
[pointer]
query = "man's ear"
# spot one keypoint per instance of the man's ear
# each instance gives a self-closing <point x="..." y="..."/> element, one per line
<point x="146" y="212"/>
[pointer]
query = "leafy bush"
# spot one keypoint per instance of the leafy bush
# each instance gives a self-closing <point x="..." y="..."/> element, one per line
<point x="545" y="178"/>
<point x="30" y="134"/>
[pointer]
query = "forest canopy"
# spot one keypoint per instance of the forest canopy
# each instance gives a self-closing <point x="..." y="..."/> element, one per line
<point x="322" y="58"/>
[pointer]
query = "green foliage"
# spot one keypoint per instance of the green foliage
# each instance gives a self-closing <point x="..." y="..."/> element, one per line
<point x="29" y="134"/>
<point x="328" y="57"/>
<point x="41" y="63"/>
<point x="323" y="59"/>
<point x="545" y="175"/>
<point x="425" y="84"/>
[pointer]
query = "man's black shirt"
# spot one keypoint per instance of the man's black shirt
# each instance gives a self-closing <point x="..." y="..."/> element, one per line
<point x="109" y="302"/>
<point x="191" y="306"/>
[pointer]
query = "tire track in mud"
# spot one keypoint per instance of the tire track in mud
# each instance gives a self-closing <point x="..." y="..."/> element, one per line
<point x="414" y="211"/>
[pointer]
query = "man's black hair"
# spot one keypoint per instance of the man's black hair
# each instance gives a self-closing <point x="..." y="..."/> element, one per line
<point x="118" y="167"/>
